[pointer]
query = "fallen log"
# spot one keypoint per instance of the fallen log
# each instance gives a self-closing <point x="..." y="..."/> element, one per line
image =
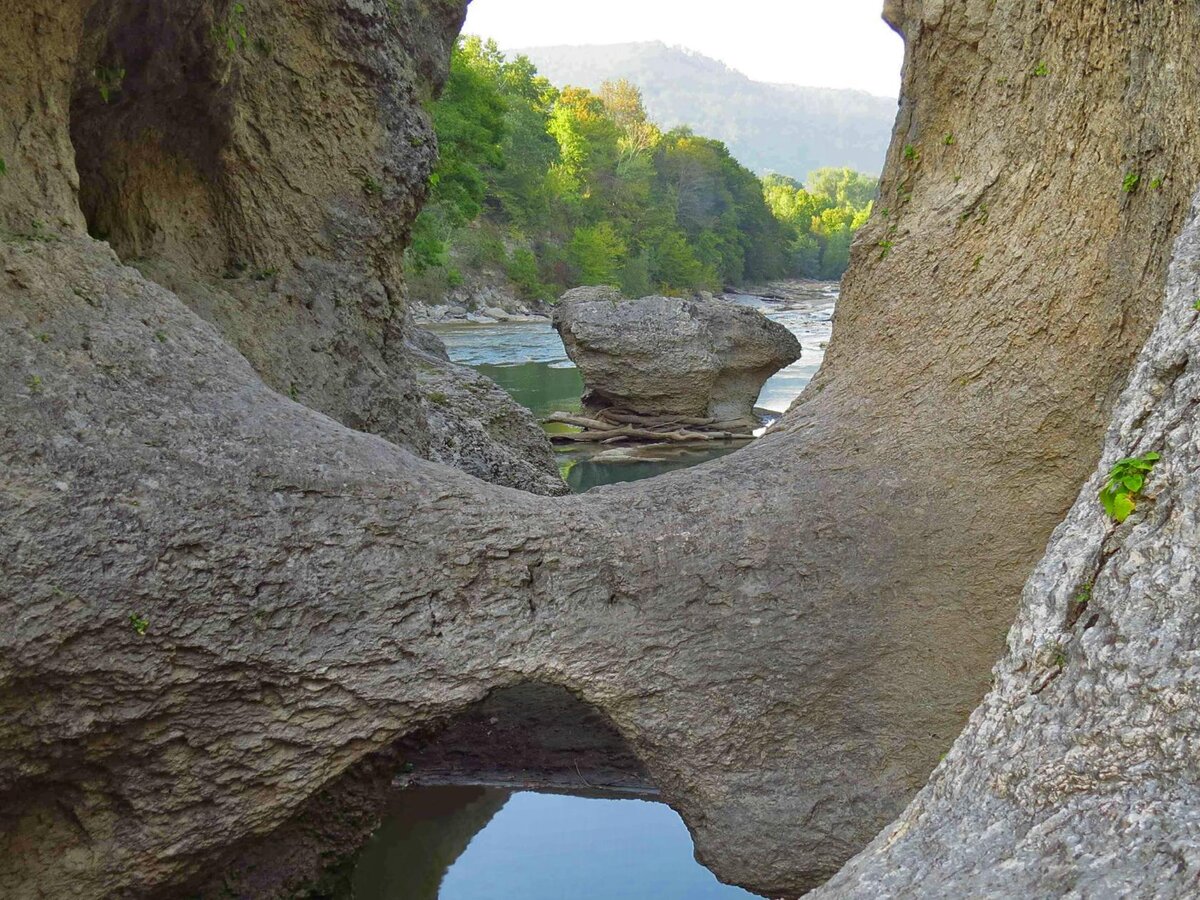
<point x="628" y="418"/>
<point x="679" y="437"/>
<point x="561" y="418"/>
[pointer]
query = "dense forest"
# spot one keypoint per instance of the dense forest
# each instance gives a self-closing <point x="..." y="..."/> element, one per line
<point x="559" y="188"/>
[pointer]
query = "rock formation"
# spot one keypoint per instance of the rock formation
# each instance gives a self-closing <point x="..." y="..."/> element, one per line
<point x="478" y="428"/>
<point x="1077" y="774"/>
<point x="670" y="356"/>
<point x="194" y="123"/>
<point x="218" y="600"/>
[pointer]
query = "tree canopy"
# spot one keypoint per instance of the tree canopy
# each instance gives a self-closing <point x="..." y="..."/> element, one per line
<point x="559" y="188"/>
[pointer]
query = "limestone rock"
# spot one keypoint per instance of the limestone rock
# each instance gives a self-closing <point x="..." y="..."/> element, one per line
<point x="1076" y="776"/>
<point x="477" y="427"/>
<point x="788" y="638"/>
<point x="285" y="246"/>
<point x="672" y="356"/>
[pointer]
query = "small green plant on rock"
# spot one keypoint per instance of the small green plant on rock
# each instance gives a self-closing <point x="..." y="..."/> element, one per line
<point x="1196" y="305"/>
<point x="232" y="32"/>
<point x="911" y="153"/>
<point x="885" y="247"/>
<point x="1125" y="483"/>
<point x="3" y="166"/>
<point x="109" y="81"/>
<point x="1131" y="182"/>
<point x="371" y="186"/>
<point x="1084" y="597"/>
<point x="34" y="383"/>
<point x="1156" y="182"/>
<point x="139" y="623"/>
<point x="949" y="140"/>
<point x="1041" y="70"/>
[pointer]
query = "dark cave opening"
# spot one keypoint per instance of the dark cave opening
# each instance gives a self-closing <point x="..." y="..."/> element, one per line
<point x="150" y="112"/>
<point x="530" y="734"/>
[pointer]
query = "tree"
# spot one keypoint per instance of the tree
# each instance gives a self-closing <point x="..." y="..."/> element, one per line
<point x="596" y="253"/>
<point x="623" y="101"/>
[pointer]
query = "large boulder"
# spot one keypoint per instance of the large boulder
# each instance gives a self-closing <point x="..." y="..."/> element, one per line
<point x="670" y="355"/>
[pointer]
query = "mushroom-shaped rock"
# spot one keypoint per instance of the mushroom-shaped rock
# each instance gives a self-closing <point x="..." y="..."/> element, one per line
<point x="671" y="356"/>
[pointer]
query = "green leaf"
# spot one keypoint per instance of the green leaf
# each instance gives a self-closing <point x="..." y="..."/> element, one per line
<point x="1134" y="482"/>
<point x="1123" y="505"/>
<point x="3" y="167"/>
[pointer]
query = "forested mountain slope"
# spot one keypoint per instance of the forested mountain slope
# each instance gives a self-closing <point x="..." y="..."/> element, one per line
<point x="768" y="127"/>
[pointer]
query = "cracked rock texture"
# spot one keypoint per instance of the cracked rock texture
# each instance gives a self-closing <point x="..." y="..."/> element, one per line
<point x="788" y="638"/>
<point x="264" y="161"/>
<point x="670" y="355"/>
<point x="1076" y="777"/>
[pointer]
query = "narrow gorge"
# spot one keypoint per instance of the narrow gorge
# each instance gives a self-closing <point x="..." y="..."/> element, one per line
<point x="238" y="568"/>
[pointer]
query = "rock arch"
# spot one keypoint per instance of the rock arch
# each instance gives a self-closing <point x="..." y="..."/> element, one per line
<point x="788" y="638"/>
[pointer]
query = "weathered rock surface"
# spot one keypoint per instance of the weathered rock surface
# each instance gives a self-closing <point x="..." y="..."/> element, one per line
<point x="476" y="427"/>
<point x="670" y="355"/>
<point x="485" y="297"/>
<point x="787" y="638"/>
<point x="194" y="125"/>
<point x="1077" y="775"/>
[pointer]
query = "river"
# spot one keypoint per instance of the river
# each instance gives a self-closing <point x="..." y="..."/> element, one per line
<point x="528" y="360"/>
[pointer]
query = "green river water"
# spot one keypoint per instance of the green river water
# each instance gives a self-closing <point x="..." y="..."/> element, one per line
<point x="528" y="360"/>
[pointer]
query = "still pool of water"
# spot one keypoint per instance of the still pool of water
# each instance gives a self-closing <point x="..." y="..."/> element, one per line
<point x="466" y="843"/>
<point x="529" y="361"/>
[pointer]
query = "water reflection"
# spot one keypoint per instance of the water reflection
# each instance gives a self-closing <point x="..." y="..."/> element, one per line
<point x="455" y="843"/>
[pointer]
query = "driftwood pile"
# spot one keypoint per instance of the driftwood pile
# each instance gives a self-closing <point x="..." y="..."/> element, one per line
<point x="614" y="426"/>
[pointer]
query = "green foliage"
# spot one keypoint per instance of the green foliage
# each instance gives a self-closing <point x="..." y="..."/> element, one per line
<point x="1041" y="70"/>
<point x="34" y="383"/>
<point x="3" y="166"/>
<point x="523" y="271"/>
<point x="823" y="218"/>
<point x="561" y="188"/>
<point x="949" y="140"/>
<point x="1124" y="484"/>
<point x="1084" y="597"/>
<point x="1156" y="182"/>
<point x="372" y="186"/>
<point x="139" y="623"/>
<point x="109" y="81"/>
<point x="635" y="279"/>
<point x="1131" y="181"/>
<point x="232" y="32"/>
<point x="1196" y="305"/>
<point x="912" y="153"/>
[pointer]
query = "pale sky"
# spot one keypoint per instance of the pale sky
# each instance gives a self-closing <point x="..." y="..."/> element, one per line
<point x="819" y="43"/>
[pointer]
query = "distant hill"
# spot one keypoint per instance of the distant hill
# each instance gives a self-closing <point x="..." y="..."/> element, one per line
<point x="768" y="127"/>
